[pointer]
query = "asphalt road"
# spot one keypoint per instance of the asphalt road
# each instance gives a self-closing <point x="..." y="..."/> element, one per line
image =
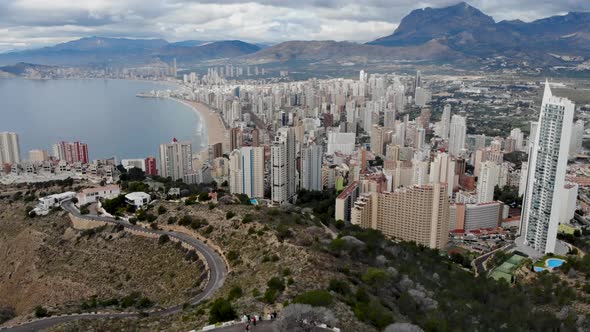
<point x="217" y="275"/>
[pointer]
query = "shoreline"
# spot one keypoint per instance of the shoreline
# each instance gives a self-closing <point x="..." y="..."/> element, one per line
<point x="216" y="130"/>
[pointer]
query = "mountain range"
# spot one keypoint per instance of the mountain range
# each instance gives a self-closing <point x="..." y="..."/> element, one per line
<point x="125" y="51"/>
<point x="460" y="34"/>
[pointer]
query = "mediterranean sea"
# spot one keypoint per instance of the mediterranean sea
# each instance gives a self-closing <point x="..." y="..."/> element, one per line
<point x="105" y="114"/>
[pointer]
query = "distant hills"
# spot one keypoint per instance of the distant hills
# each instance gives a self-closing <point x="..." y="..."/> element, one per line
<point x="460" y="35"/>
<point x="124" y="51"/>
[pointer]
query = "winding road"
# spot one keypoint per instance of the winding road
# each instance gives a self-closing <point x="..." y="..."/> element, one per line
<point x="217" y="274"/>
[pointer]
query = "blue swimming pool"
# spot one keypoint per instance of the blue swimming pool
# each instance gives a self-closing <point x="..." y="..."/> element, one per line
<point x="554" y="262"/>
<point x="539" y="269"/>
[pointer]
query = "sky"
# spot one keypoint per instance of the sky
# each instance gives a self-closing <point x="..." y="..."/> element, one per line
<point x="28" y="24"/>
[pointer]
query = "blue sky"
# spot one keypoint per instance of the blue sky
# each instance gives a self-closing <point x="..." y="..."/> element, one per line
<point x="36" y="23"/>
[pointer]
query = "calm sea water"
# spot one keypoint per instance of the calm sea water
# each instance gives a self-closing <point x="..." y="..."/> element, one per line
<point x="105" y="114"/>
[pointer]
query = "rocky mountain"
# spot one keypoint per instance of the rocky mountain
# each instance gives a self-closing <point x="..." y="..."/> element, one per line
<point x="125" y="51"/>
<point x="466" y="29"/>
<point x="333" y="51"/>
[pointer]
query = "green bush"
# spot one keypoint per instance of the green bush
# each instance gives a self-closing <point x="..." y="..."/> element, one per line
<point x="339" y="286"/>
<point x="161" y="210"/>
<point x="221" y="311"/>
<point x="229" y="215"/>
<point x="164" y="238"/>
<point x="41" y="312"/>
<point x="316" y="298"/>
<point x="270" y="296"/>
<point x="235" y="293"/>
<point x="247" y="219"/>
<point x="276" y="283"/>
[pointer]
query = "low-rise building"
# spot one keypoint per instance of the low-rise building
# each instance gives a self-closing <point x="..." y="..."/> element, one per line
<point x="91" y="195"/>
<point x="138" y="199"/>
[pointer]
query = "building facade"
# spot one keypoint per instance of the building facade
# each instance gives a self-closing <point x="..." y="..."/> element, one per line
<point x="546" y="173"/>
<point x="176" y="159"/>
<point x="9" y="148"/>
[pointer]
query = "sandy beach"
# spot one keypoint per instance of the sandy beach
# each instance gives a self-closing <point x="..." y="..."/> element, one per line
<point x="216" y="131"/>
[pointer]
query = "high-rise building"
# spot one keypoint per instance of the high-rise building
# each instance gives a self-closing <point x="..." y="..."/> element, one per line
<point x="311" y="167"/>
<point x="442" y="170"/>
<point x="377" y="140"/>
<point x="176" y="159"/>
<point x="546" y="173"/>
<point x="345" y="201"/>
<point x="445" y="122"/>
<point x="532" y="134"/>
<point x="283" y="170"/>
<point x="457" y="134"/>
<point x="235" y="138"/>
<point x="416" y="213"/>
<point x="577" y="139"/>
<point x="418" y="82"/>
<point x="486" y="182"/>
<point x="150" y="166"/>
<point x="38" y="156"/>
<point x="71" y="152"/>
<point x="9" y="148"/>
<point x="246" y="171"/>
<point x="255" y="137"/>
<point x="518" y="138"/>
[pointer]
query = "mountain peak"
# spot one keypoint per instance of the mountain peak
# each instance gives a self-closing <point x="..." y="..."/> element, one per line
<point x="423" y="25"/>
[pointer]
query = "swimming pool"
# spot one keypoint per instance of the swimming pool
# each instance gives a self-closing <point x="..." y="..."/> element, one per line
<point x="550" y="264"/>
<point x="554" y="262"/>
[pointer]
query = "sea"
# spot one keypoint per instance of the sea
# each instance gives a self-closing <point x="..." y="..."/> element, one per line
<point x="106" y="114"/>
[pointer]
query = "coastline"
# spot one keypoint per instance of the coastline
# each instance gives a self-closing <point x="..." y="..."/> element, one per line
<point x="216" y="130"/>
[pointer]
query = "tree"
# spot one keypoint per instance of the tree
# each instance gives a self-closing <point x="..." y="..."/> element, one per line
<point x="304" y="318"/>
<point x="136" y="174"/>
<point x="41" y="312"/>
<point x="229" y="215"/>
<point x="221" y="311"/>
<point x="161" y="210"/>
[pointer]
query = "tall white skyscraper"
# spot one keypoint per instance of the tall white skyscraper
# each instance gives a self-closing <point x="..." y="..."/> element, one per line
<point x="311" y="167"/>
<point x="546" y="173"/>
<point x="176" y="159"/>
<point x="487" y="181"/>
<point x="283" y="171"/>
<point x="442" y="170"/>
<point x="457" y="134"/>
<point x="445" y="122"/>
<point x="532" y="135"/>
<point x="246" y="171"/>
<point x="9" y="148"/>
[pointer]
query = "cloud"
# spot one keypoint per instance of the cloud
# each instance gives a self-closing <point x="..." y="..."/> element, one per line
<point x="35" y="23"/>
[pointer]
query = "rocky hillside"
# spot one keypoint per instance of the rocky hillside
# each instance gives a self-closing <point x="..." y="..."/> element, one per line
<point x="281" y="257"/>
<point x="47" y="265"/>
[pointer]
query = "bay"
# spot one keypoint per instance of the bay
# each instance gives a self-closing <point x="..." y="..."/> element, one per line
<point x="105" y="114"/>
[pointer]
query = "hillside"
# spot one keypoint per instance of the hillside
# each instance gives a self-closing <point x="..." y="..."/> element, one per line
<point x="279" y="257"/>
<point x="334" y="52"/>
<point x="46" y="263"/>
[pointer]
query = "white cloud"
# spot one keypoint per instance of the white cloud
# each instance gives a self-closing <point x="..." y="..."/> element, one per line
<point x="34" y="23"/>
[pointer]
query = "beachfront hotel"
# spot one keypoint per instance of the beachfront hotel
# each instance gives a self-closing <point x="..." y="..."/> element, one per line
<point x="176" y="159"/>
